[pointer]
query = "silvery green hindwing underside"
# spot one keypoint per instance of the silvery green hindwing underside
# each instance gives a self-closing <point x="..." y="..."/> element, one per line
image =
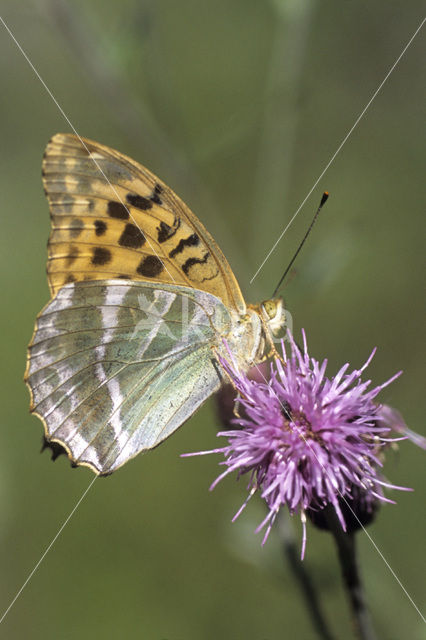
<point x="117" y="366"/>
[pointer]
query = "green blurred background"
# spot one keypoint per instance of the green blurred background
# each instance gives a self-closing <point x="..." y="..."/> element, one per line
<point x="238" y="105"/>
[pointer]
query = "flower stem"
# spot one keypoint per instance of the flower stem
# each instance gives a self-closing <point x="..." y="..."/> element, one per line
<point x="346" y="546"/>
<point x="292" y="553"/>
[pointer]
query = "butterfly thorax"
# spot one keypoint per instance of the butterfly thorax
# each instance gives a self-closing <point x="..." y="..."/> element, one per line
<point x="251" y="338"/>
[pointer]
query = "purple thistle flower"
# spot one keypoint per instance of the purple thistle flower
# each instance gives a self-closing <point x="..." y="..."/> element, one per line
<point x="309" y="441"/>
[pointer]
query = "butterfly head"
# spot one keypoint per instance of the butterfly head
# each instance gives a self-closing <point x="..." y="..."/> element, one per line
<point x="273" y="314"/>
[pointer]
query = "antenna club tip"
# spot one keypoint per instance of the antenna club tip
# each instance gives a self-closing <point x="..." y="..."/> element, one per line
<point x="324" y="198"/>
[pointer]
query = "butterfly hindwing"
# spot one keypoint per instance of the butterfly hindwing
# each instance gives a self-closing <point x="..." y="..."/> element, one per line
<point x="115" y="366"/>
<point x="112" y="218"/>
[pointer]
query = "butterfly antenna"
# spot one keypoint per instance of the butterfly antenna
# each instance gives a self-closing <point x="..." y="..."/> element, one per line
<point x="321" y="204"/>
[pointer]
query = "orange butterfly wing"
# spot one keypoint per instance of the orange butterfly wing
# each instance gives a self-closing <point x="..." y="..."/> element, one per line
<point x="112" y="218"/>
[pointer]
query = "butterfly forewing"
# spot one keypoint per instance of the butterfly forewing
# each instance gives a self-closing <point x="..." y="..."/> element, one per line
<point x="112" y="218"/>
<point x="115" y="367"/>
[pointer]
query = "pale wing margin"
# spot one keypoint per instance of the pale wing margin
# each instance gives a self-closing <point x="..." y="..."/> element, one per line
<point x="115" y="367"/>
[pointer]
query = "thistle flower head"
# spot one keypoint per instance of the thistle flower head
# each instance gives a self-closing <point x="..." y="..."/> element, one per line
<point x="307" y="440"/>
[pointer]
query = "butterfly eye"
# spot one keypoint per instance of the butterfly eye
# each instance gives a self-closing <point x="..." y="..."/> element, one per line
<point x="274" y="313"/>
<point x="270" y="308"/>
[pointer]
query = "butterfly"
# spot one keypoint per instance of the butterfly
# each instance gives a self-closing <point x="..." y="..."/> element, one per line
<point x="144" y="304"/>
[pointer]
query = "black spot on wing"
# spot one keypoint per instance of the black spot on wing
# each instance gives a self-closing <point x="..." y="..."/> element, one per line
<point x="150" y="267"/>
<point x="101" y="256"/>
<point x="100" y="227"/>
<point x="165" y="231"/>
<point x="70" y="279"/>
<point x="139" y="201"/>
<point x="155" y="197"/>
<point x="132" y="237"/>
<point x="191" y="261"/>
<point x="191" y="241"/>
<point x="117" y="210"/>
